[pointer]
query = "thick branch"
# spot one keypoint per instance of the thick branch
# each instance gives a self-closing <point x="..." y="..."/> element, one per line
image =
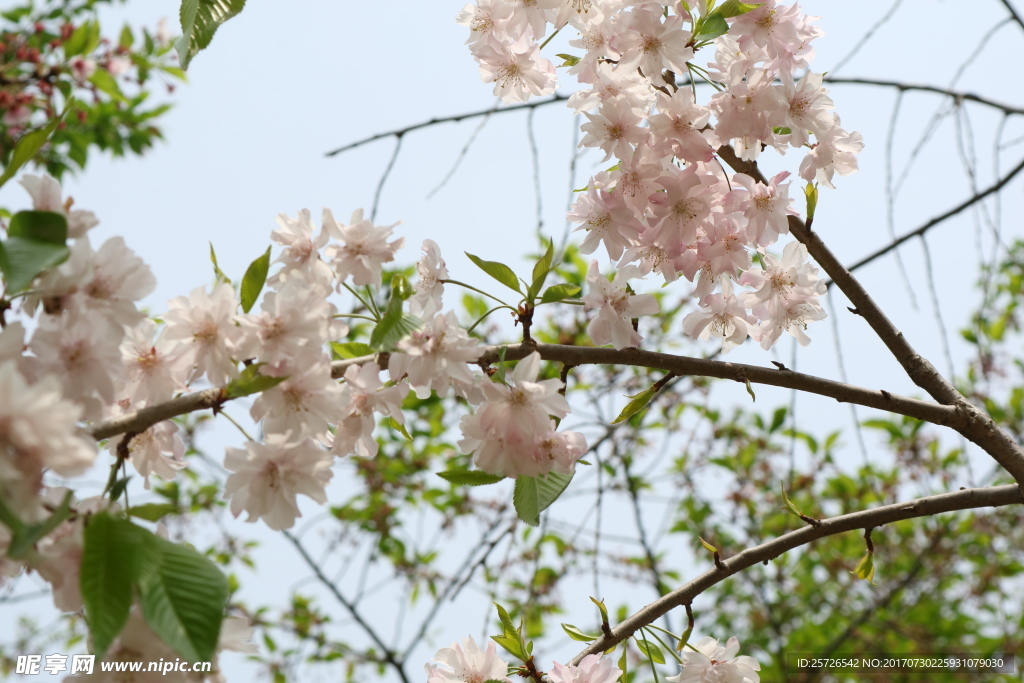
<point x="141" y="420"/>
<point x="976" y="425"/>
<point x="967" y="499"/>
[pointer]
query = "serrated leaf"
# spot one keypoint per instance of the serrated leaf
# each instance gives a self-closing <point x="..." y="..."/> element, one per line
<point x="153" y="512"/>
<point x="25" y="536"/>
<point x="108" y="572"/>
<point x="348" y="350"/>
<point x="650" y="650"/>
<point x="200" y="19"/>
<point x="251" y="382"/>
<point x="23" y="259"/>
<point x="392" y="327"/>
<point x="559" y="292"/>
<point x="182" y="594"/>
<point x="254" y="279"/>
<point x="533" y="495"/>
<point x="865" y="568"/>
<point x="733" y="8"/>
<point x="470" y="477"/>
<point x="29" y="144"/>
<point x="499" y="271"/>
<point x="710" y="27"/>
<point x="577" y="634"/>
<point x="637" y="403"/>
<point x="511" y="645"/>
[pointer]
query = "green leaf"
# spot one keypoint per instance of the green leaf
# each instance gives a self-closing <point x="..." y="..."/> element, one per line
<point x="541" y="270"/>
<point x="782" y="130"/>
<point x="789" y="504"/>
<point x="41" y="226"/>
<point x="25" y="536"/>
<point x="733" y="8"/>
<point x="707" y="546"/>
<point x="153" y="512"/>
<point x="650" y="650"/>
<point x="254" y="279"/>
<point x="218" y="273"/>
<point x="499" y="271"/>
<point x="533" y="495"/>
<point x="394" y="324"/>
<point x="710" y="27"/>
<point x="577" y="634"/>
<point x="105" y="82"/>
<point x="601" y="608"/>
<point x="200" y="19"/>
<point x="28" y="146"/>
<point x="400" y="428"/>
<point x="506" y="621"/>
<point x="78" y="41"/>
<point x="865" y="568"/>
<point x="559" y="292"/>
<point x="638" y="403"/>
<point x="750" y="390"/>
<point x="106" y="577"/>
<point x="182" y="594"/>
<point x="251" y="382"/>
<point x="570" y="60"/>
<point x="470" y="477"/>
<point x="22" y="259"/>
<point x="811" y="192"/>
<point x="126" y="38"/>
<point x="351" y="349"/>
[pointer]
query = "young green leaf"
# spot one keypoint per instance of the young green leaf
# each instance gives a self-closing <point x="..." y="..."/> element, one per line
<point x="533" y="495"/>
<point x="707" y="546"/>
<point x="577" y="634"/>
<point x="251" y="382"/>
<point x="570" y="60"/>
<point x="541" y="270"/>
<point x="811" y="193"/>
<point x="710" y="27"/>
<point x="734" y="8"/>
<point x="469" y="477"/>
<point x="866" y="568"/>
<point x="650" y="650"/>
<point x="351" y="350"/>
<point x="400" y="428"/>
<point x="218" y="273"/>
<point x="254" y="279"/>
<point x="637" y="403"/>
<point x="559" y="292"/>
<point x="499" y="271"/>
<point x="601" y="608"/>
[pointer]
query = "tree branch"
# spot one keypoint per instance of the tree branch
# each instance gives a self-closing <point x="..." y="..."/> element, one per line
<point x="920" y="87"/>
<point x="975" y="424"/>
<point x="967" y="203"/>
<point x="966" y="499"/>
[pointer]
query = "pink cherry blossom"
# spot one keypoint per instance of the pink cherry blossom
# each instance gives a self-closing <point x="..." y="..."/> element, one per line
<point x="613" y="323"/>
<point x="465" y="662"/>
<point x="591" y="669"/>
<point x="364" y="249"/>
<point x="714" y="663"/>
<point x="267" y="478"/>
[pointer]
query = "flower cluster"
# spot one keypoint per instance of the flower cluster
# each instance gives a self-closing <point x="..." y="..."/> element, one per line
<point x="667" y="205"/>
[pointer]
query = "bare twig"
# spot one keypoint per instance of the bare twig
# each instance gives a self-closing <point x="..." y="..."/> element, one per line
<point x="967" y="499"/>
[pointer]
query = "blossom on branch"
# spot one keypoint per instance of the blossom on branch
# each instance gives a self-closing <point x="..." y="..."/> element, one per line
<point x="465" y="662"/>
<point x="714" y="663"/>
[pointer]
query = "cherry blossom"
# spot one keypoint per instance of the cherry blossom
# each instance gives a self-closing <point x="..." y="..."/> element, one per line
<point x="617" y="307"/>
<point x="364" y="249"/>
<point x="465" y="662"/>
<point x="714" y="663"/>
<point x="591" y="669"/>
<point x="267" y="478"/>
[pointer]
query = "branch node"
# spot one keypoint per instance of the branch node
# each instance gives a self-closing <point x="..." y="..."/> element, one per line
<point x="851" y="309"/>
